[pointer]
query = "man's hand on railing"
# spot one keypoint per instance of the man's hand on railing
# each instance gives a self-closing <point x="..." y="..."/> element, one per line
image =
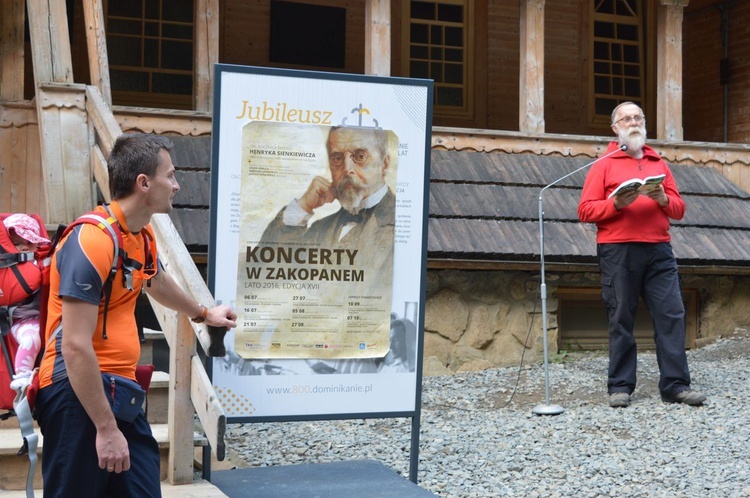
<point x="219" y="319"/>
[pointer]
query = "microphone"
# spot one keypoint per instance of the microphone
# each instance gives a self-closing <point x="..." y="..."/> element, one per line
<point x="622" y="148"/>
<point x="548" y="409"/>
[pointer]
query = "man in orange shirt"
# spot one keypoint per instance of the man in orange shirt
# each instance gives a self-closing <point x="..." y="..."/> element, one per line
<point x="92" y="445"/>
<point x="636" y="260"/>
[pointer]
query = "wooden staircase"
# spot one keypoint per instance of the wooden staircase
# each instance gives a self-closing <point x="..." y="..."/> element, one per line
<point x="15" y="468"/>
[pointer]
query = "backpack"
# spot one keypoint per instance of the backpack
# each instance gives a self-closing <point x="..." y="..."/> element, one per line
<point x="22" y="403"/>
<point x="20" y="283"/>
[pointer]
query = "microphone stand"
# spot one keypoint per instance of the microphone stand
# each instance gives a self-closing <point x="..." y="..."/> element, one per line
<point x="547" y="409"/>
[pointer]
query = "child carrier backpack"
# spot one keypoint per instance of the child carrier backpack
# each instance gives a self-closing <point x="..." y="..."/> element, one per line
<point x="20" y="283"/>
<point x="22" y="403"/>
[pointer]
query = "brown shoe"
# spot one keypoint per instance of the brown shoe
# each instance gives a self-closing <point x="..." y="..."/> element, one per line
<point x="619" y="400"/>
<point x="692" y="398"/>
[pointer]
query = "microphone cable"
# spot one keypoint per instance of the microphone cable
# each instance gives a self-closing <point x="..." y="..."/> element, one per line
<point x="525" y="346"/>
<point x="523" y="351"/>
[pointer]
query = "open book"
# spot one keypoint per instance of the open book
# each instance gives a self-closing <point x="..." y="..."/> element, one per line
<point x="642" y="186"/>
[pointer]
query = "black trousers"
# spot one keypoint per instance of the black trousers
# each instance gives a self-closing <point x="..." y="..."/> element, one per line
<point x="648" y="271"/>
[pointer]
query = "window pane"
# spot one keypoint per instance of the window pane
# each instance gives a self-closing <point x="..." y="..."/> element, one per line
<point x="450" y="96"/>
<point x="124" y="51"/>
<point x="454" y="54"/>
<point x="601" y="85"/>
<point x="627" y="32"/>
<point x="422" y="10"/>
<point x="616" y="52"/>
<point x="151" y="54"/>
<point x="617" y="69"/>
<point x="605" y="106"/>
<point x="419" y="69"/>
<point x="632" y="87"/>
<point x="632" y="70"/>
<point x="152" y="9"/>
<point x="450" y="13"/>
<point x="606" y="6"/>
<point x="124" y="27"/>
<point x="454" y="73"/>
<point x="176" y="55"/>
<point x="604" y="29"/>
<point x="436" y="72"/>
<point x="601" y="68"/>
<point x="601" y="51"/>
<point x="630" y="53"/>
<point x="436" y="35"/>
<point x="419" y="52"/>
<point x="177" y="10"/>
<point x="130" y="8"/>
<point x="152" y="29"/>
<point x="454" y="37"/>
<point x="436" y="53"/>
<point x="181" y="31"/>
<point x="180" y="84"/>
<point x="616" y="86"/>
<point x="133" y="81"/>
<point x="419" y="33"/>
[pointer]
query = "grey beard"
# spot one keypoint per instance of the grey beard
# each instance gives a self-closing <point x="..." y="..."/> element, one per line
<point x="634" y="141"/>
<point x="349" y="195"/>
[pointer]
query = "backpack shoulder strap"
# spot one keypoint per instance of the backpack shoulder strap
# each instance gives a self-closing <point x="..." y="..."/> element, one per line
<point x="111" y="227"/>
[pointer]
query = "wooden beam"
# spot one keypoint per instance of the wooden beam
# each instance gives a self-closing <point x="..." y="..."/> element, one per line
<point x="12" y="50"/>
<point x="179" y="335"/>
<point x="669" y="70"/>
<point x="378" y="37"/>
<point x="531" y="82"/>
<point x="717" y="155"/>
<point x="147" y="120"/>
<point x="180" y="266"/>
<point x="206" y="51"/>
<point x="208" y="408"/>
<point x="96" y="42"/>
<point x="50" y="41"/>
<point x="65" y="147"/>
<point x="106" y="127"/>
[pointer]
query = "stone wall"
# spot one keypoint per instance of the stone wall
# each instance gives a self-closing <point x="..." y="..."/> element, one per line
<point x="486" y="319"/>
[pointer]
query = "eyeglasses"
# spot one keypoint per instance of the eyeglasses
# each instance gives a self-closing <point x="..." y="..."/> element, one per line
<point x="359" y="157"/>
<point x="637" y="119"/>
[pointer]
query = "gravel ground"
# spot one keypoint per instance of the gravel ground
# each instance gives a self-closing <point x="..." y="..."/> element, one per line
<point x="474" y="443"/>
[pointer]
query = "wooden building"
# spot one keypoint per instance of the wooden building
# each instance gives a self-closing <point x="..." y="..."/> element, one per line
<point x="524" y="90"/>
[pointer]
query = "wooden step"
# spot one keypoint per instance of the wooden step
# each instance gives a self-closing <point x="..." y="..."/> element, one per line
<point x="13" y="469"/>
<point x="147" y="347"/>
<point x="198" y="489"/>
<point x="158" y="398"/>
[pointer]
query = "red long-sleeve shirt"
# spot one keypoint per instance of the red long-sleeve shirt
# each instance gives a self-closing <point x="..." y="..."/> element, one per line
<point x="642" y="221"/>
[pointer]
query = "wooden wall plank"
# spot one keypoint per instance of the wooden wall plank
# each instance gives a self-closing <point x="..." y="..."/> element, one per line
<point x="12" y="49"/>
<point x="531" y="82"/>
<point x="669" y="72"/>
<point x="50" y="42"/>
<point x="96" y="42"/>
<point x="64" y="151"/>
<point x="378" y="37"/>
<point x="206" y="51"/>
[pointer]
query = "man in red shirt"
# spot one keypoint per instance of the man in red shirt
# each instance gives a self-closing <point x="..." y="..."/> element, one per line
<point x="636" y="260"/>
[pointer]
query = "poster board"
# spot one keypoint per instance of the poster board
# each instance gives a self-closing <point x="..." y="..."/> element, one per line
<point x="327" y="328"/>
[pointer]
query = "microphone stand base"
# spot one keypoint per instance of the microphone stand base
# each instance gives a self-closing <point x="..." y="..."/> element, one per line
<point x="547" y="410"/>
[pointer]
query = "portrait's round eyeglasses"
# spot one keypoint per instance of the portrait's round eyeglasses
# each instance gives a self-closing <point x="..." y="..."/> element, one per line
<point x="359" y="157"/>
<point x="637" y="119"/>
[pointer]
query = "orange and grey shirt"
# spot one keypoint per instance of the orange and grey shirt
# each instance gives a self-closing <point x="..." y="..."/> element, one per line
<point x="80" y="267"/>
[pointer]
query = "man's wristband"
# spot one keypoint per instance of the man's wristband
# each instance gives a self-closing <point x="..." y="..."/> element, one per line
<point x="202" y="317"/>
